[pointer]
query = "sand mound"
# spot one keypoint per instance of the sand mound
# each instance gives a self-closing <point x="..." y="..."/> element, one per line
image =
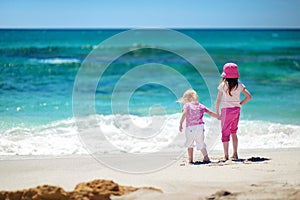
<point x="94" y="190"/>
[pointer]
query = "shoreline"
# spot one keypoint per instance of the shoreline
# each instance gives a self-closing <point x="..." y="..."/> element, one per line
<point x="279" y="176"/>
<point x="214" y="152"/>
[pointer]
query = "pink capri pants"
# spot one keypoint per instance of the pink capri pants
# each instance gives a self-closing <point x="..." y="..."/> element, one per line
<point x="229" y="121"/>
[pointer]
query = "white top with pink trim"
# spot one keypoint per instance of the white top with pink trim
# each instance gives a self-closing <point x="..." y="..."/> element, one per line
<point x="231" y="101"/>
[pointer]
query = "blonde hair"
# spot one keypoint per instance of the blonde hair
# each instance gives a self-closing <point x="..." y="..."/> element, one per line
<point x="188" y="96"/>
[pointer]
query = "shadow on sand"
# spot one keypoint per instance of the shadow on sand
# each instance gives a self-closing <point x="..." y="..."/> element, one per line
<point x="241" y="160"/>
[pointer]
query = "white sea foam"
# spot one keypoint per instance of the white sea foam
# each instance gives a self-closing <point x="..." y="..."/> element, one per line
<point x="105" y="134"/>
<point x="56" y="60"/>
<point x="58" y="138"/>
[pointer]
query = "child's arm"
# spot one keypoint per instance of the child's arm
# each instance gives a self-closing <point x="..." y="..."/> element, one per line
<point x="218" y="103"/>
<point x="247" y="98"/>
<point x="182" y="119"/>
<point x="213" y="114"/>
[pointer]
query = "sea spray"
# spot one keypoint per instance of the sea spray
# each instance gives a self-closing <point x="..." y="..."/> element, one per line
<point x="62" y="138"/>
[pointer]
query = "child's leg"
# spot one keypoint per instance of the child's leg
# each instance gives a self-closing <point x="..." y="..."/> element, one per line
<point x="190" y="152"/>
<point x="225" y="122"/>
<point x="233" y="131"/>
<point x="235" y="146"/>
<point x="225" y="147"/>
<point x="199" y="139"/>
<point x="189" y="142"/>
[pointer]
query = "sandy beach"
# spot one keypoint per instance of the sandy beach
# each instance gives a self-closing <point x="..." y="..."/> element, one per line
<point x="277" y="178"/>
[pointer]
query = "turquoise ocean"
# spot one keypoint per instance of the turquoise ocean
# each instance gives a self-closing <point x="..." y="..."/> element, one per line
<point x="38" y="69"/>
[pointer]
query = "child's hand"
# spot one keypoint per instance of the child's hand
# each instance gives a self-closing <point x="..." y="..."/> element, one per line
<point x="180" y="128"/>
<point x="219" y="117"/>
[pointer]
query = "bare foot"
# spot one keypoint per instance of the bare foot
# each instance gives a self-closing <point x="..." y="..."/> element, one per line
<point x="234" y="156"/>
<point x="206" y="159"/>
<point x="224" y="159"/>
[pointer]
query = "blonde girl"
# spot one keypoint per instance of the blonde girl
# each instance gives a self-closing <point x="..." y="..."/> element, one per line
<point x="193" y="112"/>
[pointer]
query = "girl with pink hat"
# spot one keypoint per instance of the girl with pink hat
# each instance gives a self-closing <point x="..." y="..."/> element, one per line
<point x="229" y="96"/>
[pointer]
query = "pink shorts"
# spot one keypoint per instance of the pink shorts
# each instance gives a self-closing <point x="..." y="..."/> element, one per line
<point x="229" y="121"/>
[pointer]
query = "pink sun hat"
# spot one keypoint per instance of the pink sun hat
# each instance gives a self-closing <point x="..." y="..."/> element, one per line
<point x="230" y="70"/>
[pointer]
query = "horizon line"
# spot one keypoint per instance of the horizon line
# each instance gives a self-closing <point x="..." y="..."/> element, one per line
<point x="128" y="28"/>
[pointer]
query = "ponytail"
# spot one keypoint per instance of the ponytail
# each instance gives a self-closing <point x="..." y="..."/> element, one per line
<point x="232" y="84"/>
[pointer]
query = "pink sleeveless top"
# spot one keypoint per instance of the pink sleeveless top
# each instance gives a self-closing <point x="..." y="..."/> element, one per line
<point x="194" y="115"/>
